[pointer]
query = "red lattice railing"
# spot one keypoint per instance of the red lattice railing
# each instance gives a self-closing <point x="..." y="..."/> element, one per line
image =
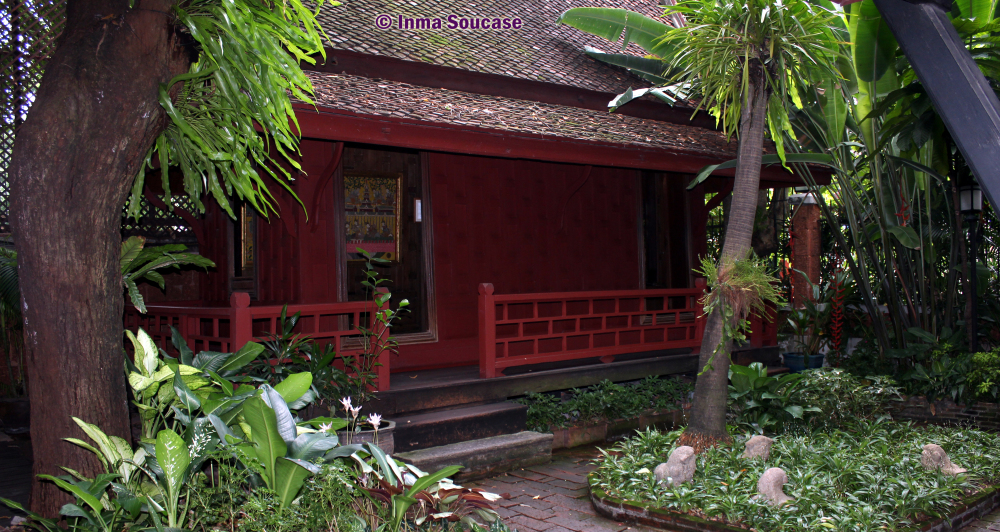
<point x="227" y="329"/>
<point x="523" y="329"/>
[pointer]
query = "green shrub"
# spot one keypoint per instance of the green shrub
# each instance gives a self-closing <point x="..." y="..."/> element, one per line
<point x="984" y="377"/>
<point x="841" y="397"/>
<point x="603" y="401"/>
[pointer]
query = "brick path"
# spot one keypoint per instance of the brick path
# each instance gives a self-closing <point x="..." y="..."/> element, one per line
<point x="553" y="498"/>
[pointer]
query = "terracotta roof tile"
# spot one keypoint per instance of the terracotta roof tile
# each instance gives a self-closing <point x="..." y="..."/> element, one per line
<point x="368" y="96"/>
<point x="542" y="50"/>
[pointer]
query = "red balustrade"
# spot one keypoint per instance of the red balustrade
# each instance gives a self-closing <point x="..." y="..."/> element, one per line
<point x="229" y="328"/>
<point x="522" y="329"/>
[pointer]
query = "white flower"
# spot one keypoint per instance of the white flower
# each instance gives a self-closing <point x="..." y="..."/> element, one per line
<point x="354" y="411"/>
<point x="325" y="427"/>
<point x="346" y="401"/>
<point x="375" y="420"/>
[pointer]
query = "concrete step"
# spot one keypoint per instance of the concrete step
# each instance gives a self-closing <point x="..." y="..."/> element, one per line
<point x="485" y="457"/>
<point x="453" y="425"/>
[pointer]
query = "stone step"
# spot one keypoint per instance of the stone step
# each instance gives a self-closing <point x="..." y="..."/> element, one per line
<point x="453" y="425"/>
<point x="485" y="457"/>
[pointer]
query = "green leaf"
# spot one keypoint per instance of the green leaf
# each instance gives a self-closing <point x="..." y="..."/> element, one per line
<point x="615" y="24"/>
<point x="874" y="45"/>
<point x="425" y="482"/>
<point x="269" y="445"/>
<point x="289" y="476"/>
<point x="241" y="358"/>
<point x="906" y="236"/>
<point x="130" y="250"/>
<point x="294" y="386"/>
<point x="648" y="68"/>
<point x="82" y="494"/>
<point x="173" y="457"/>
<point x="185" y="395"/>
<point x="180" y="344"/>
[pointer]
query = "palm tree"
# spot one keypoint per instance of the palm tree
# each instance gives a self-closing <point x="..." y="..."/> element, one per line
<point x="739" y="59"/>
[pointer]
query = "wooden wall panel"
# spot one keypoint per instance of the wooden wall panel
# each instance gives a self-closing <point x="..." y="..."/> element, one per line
<point x="524" y="226"/>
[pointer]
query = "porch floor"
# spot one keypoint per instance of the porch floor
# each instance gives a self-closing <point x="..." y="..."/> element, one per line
<point x="416" y="391"/>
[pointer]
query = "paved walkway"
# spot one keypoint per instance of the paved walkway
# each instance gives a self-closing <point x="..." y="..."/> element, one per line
<point x="554" y="498"/>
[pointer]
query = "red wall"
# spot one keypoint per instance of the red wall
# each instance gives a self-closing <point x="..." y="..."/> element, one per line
<point x="524" y="226"/>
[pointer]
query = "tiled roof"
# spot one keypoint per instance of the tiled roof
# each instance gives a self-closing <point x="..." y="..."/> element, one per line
<point x="368" y="96"/>
<point x="542" y="50"/>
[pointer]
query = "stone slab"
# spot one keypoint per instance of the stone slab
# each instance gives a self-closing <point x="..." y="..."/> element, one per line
<point x="486" y="456"/>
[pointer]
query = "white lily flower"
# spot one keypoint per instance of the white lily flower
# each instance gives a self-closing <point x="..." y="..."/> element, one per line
<point x="354" y="411"/>
<point x="346" y="402"/>
<point x="375" y="420"/>
<point x="325" y="427"/>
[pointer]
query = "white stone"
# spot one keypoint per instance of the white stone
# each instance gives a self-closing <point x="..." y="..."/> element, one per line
<point x="679" y="468"/>
<point x="771" y="485"/>
<point x="758" y="447"/>
<point x="17" y="520"/>
<point x="934" y="458"/>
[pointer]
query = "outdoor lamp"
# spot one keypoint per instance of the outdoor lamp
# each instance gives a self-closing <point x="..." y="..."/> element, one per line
<point x="970" y="198"/>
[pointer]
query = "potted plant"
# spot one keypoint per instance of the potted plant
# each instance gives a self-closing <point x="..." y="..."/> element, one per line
<point x="805" y="330"/>
<point x="362" y="368"/>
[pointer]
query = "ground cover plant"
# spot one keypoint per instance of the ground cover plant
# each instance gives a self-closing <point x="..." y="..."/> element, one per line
<point x="604" y="401"/>
<point x="863" y="476"/>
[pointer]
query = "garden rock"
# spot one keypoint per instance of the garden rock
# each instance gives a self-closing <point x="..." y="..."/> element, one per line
<point x="758" y="447"/>
<point x="934" y="458"/>
<point x="679" y="468"/>
<point x="770" y="485"/>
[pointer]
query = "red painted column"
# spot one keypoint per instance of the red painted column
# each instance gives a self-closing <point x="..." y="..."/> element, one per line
<point x="805" y="249"/>
<point x="487" y="332"/>
<point x="240" y="322"/>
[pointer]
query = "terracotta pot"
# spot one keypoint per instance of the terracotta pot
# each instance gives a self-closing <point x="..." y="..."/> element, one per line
<point x="386" y="442"/>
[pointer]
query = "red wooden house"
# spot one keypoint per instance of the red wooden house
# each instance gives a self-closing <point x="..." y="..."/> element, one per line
<point x="524" y="223"/>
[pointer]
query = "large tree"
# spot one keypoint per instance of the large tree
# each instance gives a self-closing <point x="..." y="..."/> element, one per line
<point x="737" y="59"/>
<point x="132" y="85"/>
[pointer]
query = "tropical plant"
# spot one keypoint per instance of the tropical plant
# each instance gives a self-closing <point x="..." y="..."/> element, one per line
<point x="142" y="264"/>
<point x="284" y="457"/>
<point x="984" y="378"/>
<point x="761" y="402"/>
<point x="287" y="352"/>
<point x="808" y="325"/>
<point x="207" y="90"/>
<point x="362" y="368"/>
<point x="170" y="392"/>
<point x="739" y="59"/>
<point x="842" y="397"/>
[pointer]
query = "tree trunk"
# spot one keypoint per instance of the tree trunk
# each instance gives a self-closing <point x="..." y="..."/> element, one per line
<point x="95" y="116"/>
<point x="707" y="426"/>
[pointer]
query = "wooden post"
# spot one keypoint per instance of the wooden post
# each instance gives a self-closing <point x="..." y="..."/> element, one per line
<point x="381" y="333"/>
<point x="487" y="332"/>
<point x="240" y="322"/>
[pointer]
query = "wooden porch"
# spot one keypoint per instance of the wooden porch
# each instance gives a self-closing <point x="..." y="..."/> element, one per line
<point x="564" y="333"/>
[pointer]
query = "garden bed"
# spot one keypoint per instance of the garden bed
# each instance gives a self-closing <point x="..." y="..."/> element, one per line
<point x="865" y="477"/>
<point x="576" y="435"/>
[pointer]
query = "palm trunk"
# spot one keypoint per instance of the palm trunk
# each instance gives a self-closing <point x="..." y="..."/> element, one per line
<point x="95" y="116"/>
<point x="707" y="425"/>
